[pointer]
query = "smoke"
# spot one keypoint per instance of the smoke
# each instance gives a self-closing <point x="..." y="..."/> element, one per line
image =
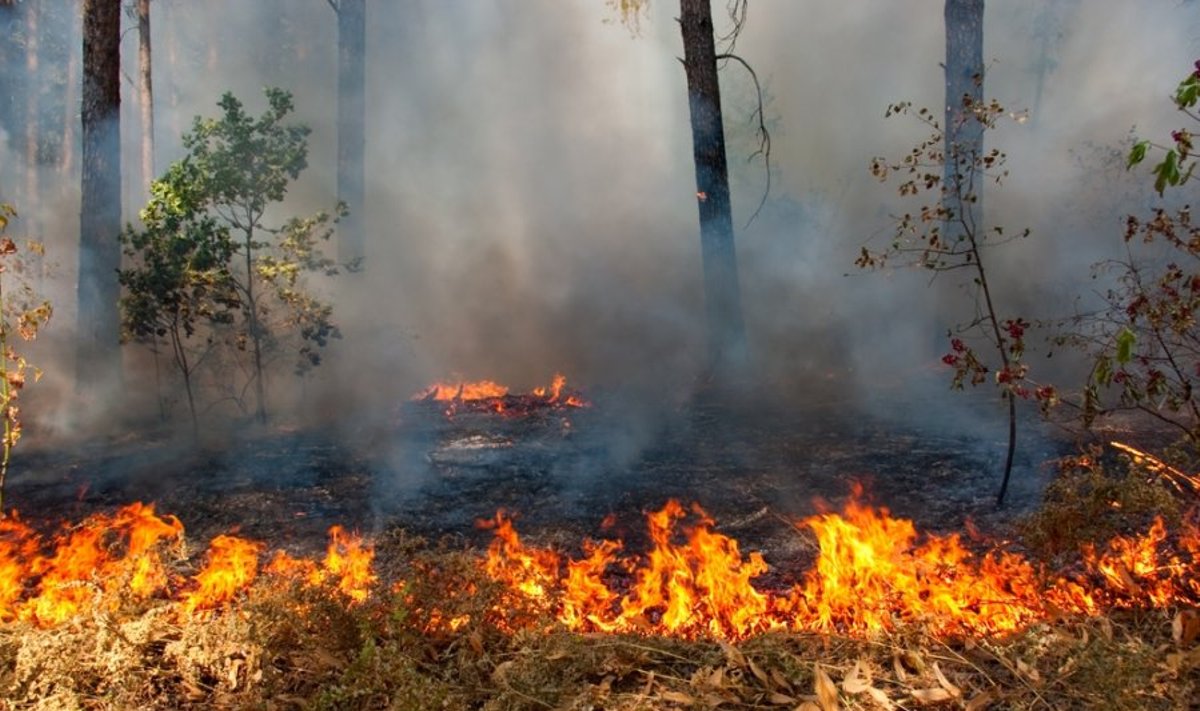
<point x="530" y="202"/>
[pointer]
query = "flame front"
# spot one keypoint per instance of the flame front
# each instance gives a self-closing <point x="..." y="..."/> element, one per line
<point x="873" y="573"/>
<point x="129" y="556"/>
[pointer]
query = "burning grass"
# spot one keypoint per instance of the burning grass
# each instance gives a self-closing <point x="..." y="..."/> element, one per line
<point x="115" y="613"/>
<point x="485" y="396"/>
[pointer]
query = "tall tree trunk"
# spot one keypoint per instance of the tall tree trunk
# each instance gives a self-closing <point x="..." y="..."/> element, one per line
<point x="726" y="331"/>
<point x="964" y="89"/>
<point x="351" y="172"/>
<point x="11" y="56"/>
<point x="98" y="352"/>
<point x="33" y="161"/>
<point x="145" y="94"/>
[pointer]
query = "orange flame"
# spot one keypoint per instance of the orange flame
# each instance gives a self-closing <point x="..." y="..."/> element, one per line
<point x="873" y="573"/>
<point x="232" y="566"/>
<point x="462" y="390"/>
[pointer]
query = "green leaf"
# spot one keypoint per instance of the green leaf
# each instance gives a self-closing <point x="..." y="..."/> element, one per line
<point x="1138" y="153"/>
<point x="1125" y="342"/>
<point x="1167" y="172"/>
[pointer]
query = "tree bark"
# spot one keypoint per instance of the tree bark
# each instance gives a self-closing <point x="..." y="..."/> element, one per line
<point x="33" y="161"/>
<point x="145" y="95"/>
<point x="726" y="331"/>
<point x="98" y="350"/>
<point x="351" y="171"/>
<point x="964" y="88"/>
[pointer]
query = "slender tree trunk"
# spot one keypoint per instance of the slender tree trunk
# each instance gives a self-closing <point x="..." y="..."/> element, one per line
<point x="10" y="81"/>
<point x="145" y="94"/>
<point x="255" y="328"/>
<point x="352" y="112"/>
<point x="726" y="331"/>
<point x="964" y="89"/>
<point x="98" y="352"/>
<point x="33" y="160"/>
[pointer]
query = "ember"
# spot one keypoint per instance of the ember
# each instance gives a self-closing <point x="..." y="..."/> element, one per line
<point x="487" y="396"/>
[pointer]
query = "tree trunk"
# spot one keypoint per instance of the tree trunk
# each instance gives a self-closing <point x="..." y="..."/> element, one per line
<point x="964" y="88"/>
<point x="11" y="55"/>
<point x="145" y="95"/>
<point x="33" y="161"/>
<point x="351" y="174"/>
<point x="726" y="331"/>
<point x="98" y="352"/>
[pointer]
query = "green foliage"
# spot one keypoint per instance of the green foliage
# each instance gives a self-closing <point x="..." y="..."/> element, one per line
<point x="1146" y="344"/>
<point x="209" y="267"/>
<point x="24" y="311"/>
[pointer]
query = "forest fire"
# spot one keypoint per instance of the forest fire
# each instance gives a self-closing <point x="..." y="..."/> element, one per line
<point x="873" y="573"/>
<point x="488" y="396"/>
<point x="134" y="554"/>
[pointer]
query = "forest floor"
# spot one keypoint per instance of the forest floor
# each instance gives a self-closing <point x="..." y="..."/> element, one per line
<point x="417" y="486"/>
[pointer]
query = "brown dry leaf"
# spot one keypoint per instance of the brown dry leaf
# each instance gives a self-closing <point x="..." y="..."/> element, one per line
<point x="759" y="673"/>
<point x="780" y="681"/>
<point x="781" y="699"/>
<point x="980" y="702"/>
<point x="898" y="668"/>
<point x="931" y="696"/>
<point x="677" y="697"/>
<point x="953" y="690"/>
<point x="476" y="641"/>
<point x="1185" y="627"/>
<point x="855" y="683"/>
<point x="807" y="706"/>
<point x="1106" y="628"/>
<point x="913" y="661"/>
<point x="717" y="678"/>
<point x="733" y="654"/>
<point x="827" y="693"/>
<point x="1030" y="672"/>
<point x="501" y="671"/>
<point x="880" y="698"/>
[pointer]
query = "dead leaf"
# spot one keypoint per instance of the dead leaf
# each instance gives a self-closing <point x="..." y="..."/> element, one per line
<point x="1185" y="627"/>
<point x="781" y="699"/>
<point x="475" y="639"/>
<point x="1028" y="671"/>
<point x="781" y="681"/>
<point x="733" y="654"/>
<point x="677" y="697"/>
<point x="953" y="690"/>
<point x="501" y="671"/>
<point x="807" y="706"/>
<point x="931" y="696"/>
<point x="827" y="693"/>
<point x="854" y="683"/>
<point x="759" y="673"/>
<point x="898" y="668"/>
<point x="980" y="702"/>
<point x="880" y="698"/>
<point x="913" y="661"/>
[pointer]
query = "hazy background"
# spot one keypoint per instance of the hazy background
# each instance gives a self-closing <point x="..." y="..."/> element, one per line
<point x="530" y="201"/>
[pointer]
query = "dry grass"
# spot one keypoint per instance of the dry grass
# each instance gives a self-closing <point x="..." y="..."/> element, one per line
<point x="304" y="648"/>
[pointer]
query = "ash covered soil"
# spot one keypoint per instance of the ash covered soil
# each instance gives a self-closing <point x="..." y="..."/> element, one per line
<point x="754" y="467"/>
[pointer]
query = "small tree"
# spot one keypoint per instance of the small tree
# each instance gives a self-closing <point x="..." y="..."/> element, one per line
<point x="1146" y="345"/>
<point x="24" y="312"/>
<point x="207" y="255"/>
<point x="945" y="236"/>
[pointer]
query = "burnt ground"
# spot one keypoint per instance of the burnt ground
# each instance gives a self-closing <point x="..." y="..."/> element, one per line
<point x="754" y="467"/>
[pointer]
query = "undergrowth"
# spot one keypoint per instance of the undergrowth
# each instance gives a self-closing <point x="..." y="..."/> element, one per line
<point x="441" y="635"/>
